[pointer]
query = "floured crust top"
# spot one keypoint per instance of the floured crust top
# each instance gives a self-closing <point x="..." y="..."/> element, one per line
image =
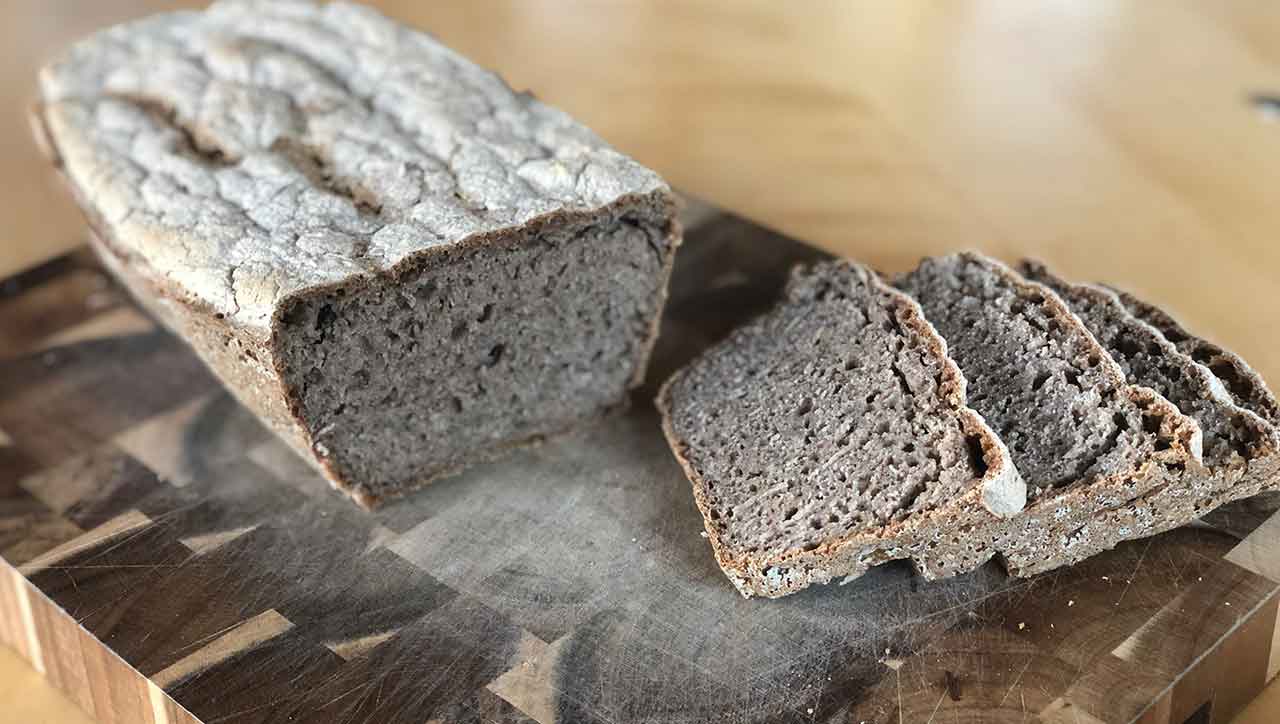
<point x="261" y="148"/>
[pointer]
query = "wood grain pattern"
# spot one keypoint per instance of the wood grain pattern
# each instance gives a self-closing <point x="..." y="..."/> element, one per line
<point x="169" y="560"/>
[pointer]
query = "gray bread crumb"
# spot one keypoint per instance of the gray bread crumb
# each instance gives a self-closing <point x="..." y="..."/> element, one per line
<point x="1246" y="386"/>
<point x="399" y="262"/>
<point x="1239" y="448"/>
<point x="1083" y="439"/>
<point x="831" y="434"/>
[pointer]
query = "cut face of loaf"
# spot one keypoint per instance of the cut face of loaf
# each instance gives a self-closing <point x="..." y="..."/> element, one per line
<point x="1246" y="386"/>
<point x="831" y="434"/>
<point x="1083" y="439"/>
<point x="397" y="261"/>
<point x="1239" y="448"/>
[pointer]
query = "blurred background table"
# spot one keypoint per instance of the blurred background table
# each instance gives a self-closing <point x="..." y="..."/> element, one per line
<point x="1129" y="141"/>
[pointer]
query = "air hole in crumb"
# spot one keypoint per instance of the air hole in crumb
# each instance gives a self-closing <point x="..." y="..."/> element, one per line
<point x="1238" y="384"/>
<point x="457" y="404"/>
<point x="1150" y="424"/>
<point x="1040" y="380"/>
<point x="977" y="457"/>
<point x="325" y="317"/>
<point x="294" y="314"/>
<point x="805" y="407"/>
<point x="791" y="513"/>
<point x="815" y="523"/>
<point x="458" y="331"/>
<point x="494" y="356"/>
<point x="485" y="313"/>
<point x="1072" y="377"/>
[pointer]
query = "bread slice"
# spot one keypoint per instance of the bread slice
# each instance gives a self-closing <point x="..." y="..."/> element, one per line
<point x="1083" y="439"/>
<point x="1241" y="451"/>
<point x="397" y="261"/>
<point x="831" y="434"/>
<point x="1246" y="386"/>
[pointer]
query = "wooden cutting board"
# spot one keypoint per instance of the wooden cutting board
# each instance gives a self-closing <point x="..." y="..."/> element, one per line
<point x="168" y="560"/>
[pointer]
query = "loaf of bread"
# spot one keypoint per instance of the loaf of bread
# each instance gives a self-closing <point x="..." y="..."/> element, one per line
<point x="1082" y="437"/>
<point x="397" y="261"/>
<point x="832" y="434"/>
<point x="1241" y="451"/>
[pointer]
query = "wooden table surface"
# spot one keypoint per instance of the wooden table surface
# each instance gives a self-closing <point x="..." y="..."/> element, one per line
<point x="1118" y="140"/>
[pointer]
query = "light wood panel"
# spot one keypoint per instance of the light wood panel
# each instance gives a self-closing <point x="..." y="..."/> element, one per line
<point x="28" y="697"/>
